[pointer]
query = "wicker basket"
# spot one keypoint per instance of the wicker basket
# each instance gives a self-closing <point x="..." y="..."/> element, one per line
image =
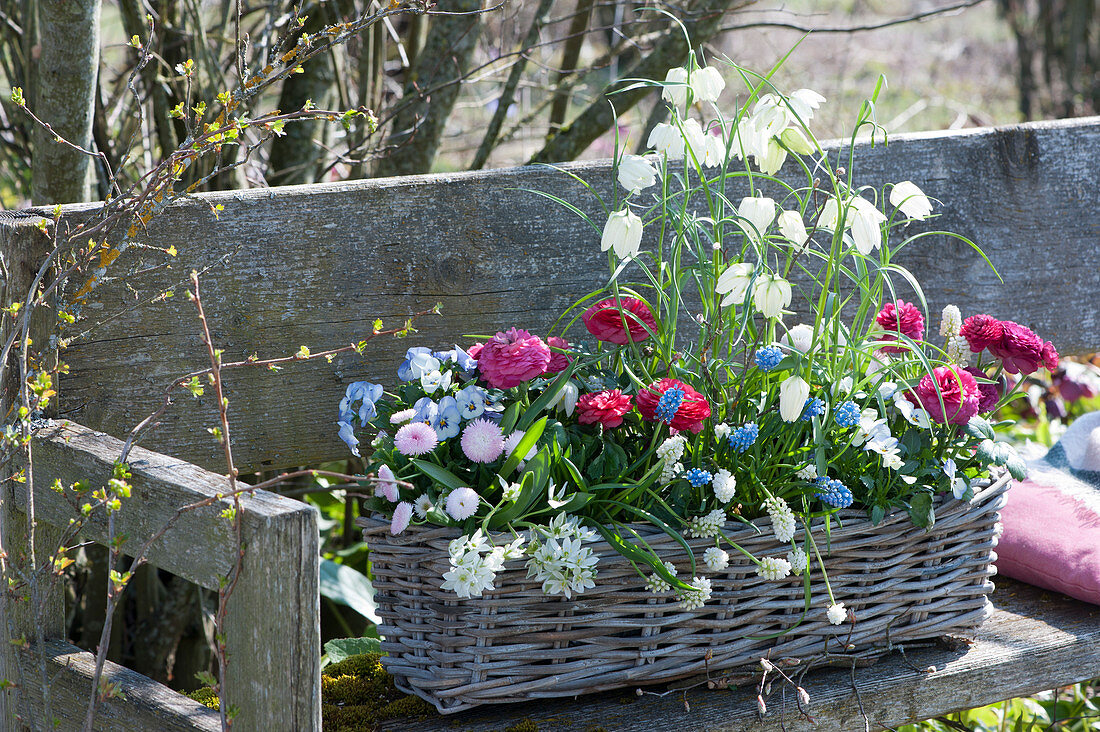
<point x="515" y="644"/>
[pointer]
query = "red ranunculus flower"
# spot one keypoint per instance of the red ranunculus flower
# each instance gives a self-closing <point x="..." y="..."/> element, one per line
<point x="990" y="394"/>
<point x="1020" y="350"/>
<point x="509" y="359"/>
<point x="604" y="320"/>
<point x="606" y="407"/>
<point x="903" y="317"/>
<point x="980" y="331"/>
<point x="958" y="389"/>
<point x="693" y="409"/>
<point x="558" y="361"/>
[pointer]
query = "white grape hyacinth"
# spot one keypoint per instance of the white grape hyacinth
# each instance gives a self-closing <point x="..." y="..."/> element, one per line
<point x="657" y="584"/>
<point x="783" y="523"/>
<point x="697" y="596"/>
<point x="837" y="613"/>
<point x="799" y="560"/>
<point x="716" y="559"/>
<point x="773" y="568"/>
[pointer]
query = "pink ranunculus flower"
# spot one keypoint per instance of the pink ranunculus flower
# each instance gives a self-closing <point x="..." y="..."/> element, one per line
<point x="990" y="394"/>
<point x="1020" y="350"/>
<point x="604" y="320"/>
<point x="980" y="331"/>
<point x="958" y="389"/>
<point x="903" y="317"/>
<point x="558" y="361"/>
<point x="693" y="410"/>
<point x="475" y="350"/>
<point x="606" y="407"/>
<point x="1050" y="356"/>
<point x="508" y="359"/>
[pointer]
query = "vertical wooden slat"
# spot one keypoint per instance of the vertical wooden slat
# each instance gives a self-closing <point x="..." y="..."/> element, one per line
<point x="26" y="612"/>
<point x="273" y="628"/>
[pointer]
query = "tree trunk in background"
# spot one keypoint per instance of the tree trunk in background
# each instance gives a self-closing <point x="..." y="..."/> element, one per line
<point x="68" y="32"/>
<point x="432" y="88"/>
<point x="703" y="22"/>
<point x="294" y="155"/>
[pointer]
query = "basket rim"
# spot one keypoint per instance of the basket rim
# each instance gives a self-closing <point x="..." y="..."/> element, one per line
<point x="986" y="490"/>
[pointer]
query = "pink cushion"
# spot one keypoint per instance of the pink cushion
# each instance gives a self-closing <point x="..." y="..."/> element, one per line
<point x="1051" y="537"/>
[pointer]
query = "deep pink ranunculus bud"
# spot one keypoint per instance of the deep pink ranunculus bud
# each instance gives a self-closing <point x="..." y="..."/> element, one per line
<point x="990" y="393"/>
<point x="903" y="317"/>
<point x="1050" y="356"/>
<point x="606" y="407"/>
<point x="558" y="361"/>
<point x="604" y="320"/>
<point x="1020" y="350"/>
<point x="508" y="359"/>
<point x="981" y="330"/>
<point x="475" y="350"/>
<point x="958" y="389"/>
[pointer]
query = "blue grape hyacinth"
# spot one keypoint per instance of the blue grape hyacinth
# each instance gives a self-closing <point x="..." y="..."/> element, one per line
<point x="669" y="404"/>
<point x="743" y="437"/>
<point x="698" y="477"/>
<point x="813" y="407"/>
<point x="847" y="414"/>
<point x="768" y="358"/>
<point x="833" y="493"/>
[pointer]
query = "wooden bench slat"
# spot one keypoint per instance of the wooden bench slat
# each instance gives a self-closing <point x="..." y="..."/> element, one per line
<point x="315" y="265"/>
<point x="273" y="622"/>
<point x="141" y="705"/>
<point x="1034" y="641"/>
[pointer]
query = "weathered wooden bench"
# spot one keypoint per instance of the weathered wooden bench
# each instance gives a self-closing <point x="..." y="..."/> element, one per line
<point x="316" y="265"/>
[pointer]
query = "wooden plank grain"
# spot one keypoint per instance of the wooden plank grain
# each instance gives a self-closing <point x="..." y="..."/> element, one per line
<point x="1033" y="642"/>
<point x="315" y="265"/>
<point x="140" y="704"/>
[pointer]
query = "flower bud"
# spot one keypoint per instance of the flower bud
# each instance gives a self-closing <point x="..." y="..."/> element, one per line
<point x="792" y="227"/>
<point x="797" y="142"/>
<point x="793" y="393"/>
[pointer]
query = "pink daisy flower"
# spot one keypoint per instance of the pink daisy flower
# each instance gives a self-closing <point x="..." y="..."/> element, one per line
<point x="462" y="503"/>
<point x="415" y="438"/>
<point x="402" y="515"/>
<point x="386" y="485"/>
<point x="482" y="441"/>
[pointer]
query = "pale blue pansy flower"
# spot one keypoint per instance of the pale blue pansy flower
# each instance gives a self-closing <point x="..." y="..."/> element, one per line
<point x="448" y="420"/>
<point x="471" y="401"/>
<point x="959" y="486"/>
<point x="425" y="410"/>
<point x="365" y="392"/>
<point x="347" y="434"/>
<point x="434" y="380"/>
<point x="459" y="357"/>
<point x="418" y="361"/>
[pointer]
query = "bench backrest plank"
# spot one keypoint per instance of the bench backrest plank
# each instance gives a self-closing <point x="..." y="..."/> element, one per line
<point x="314" y="265"/>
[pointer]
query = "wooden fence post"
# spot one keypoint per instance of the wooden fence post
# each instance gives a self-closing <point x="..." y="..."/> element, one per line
<point x="37" y="605"/>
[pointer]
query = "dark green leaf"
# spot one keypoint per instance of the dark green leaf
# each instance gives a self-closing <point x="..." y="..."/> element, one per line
<point x="340" y="648"/>
<point x="346" y="586"/>
<point x="921" y="511"/>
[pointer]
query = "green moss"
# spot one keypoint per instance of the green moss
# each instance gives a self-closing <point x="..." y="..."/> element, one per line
<point x="357" y="694"/>
<point x="524" y="725"/>
<point x="205" y="696"/>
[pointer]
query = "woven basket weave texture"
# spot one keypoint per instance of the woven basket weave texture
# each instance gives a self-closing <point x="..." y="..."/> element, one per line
<point x="515" y="643"/>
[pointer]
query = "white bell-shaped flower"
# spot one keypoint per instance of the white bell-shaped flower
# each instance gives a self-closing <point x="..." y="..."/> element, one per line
<point x="793" y="228"/>
<point x="803" y="102"/>
<point x="771" y="294"/>
<point x="676" y="89"/>
<point x="636" y="173"/>
<point x="755" y="215"/>
<point x="793" y="393"/>
<point x="774" y="157"/>
<point x="666" y="139"/>
<point x="707" y="84"/>
<point x="734" y="283"/>
<point x="910" y="200"/>
<point x="866" y="225"/>
<point x="695" y="140"/>
<point x="623" y="233"/>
